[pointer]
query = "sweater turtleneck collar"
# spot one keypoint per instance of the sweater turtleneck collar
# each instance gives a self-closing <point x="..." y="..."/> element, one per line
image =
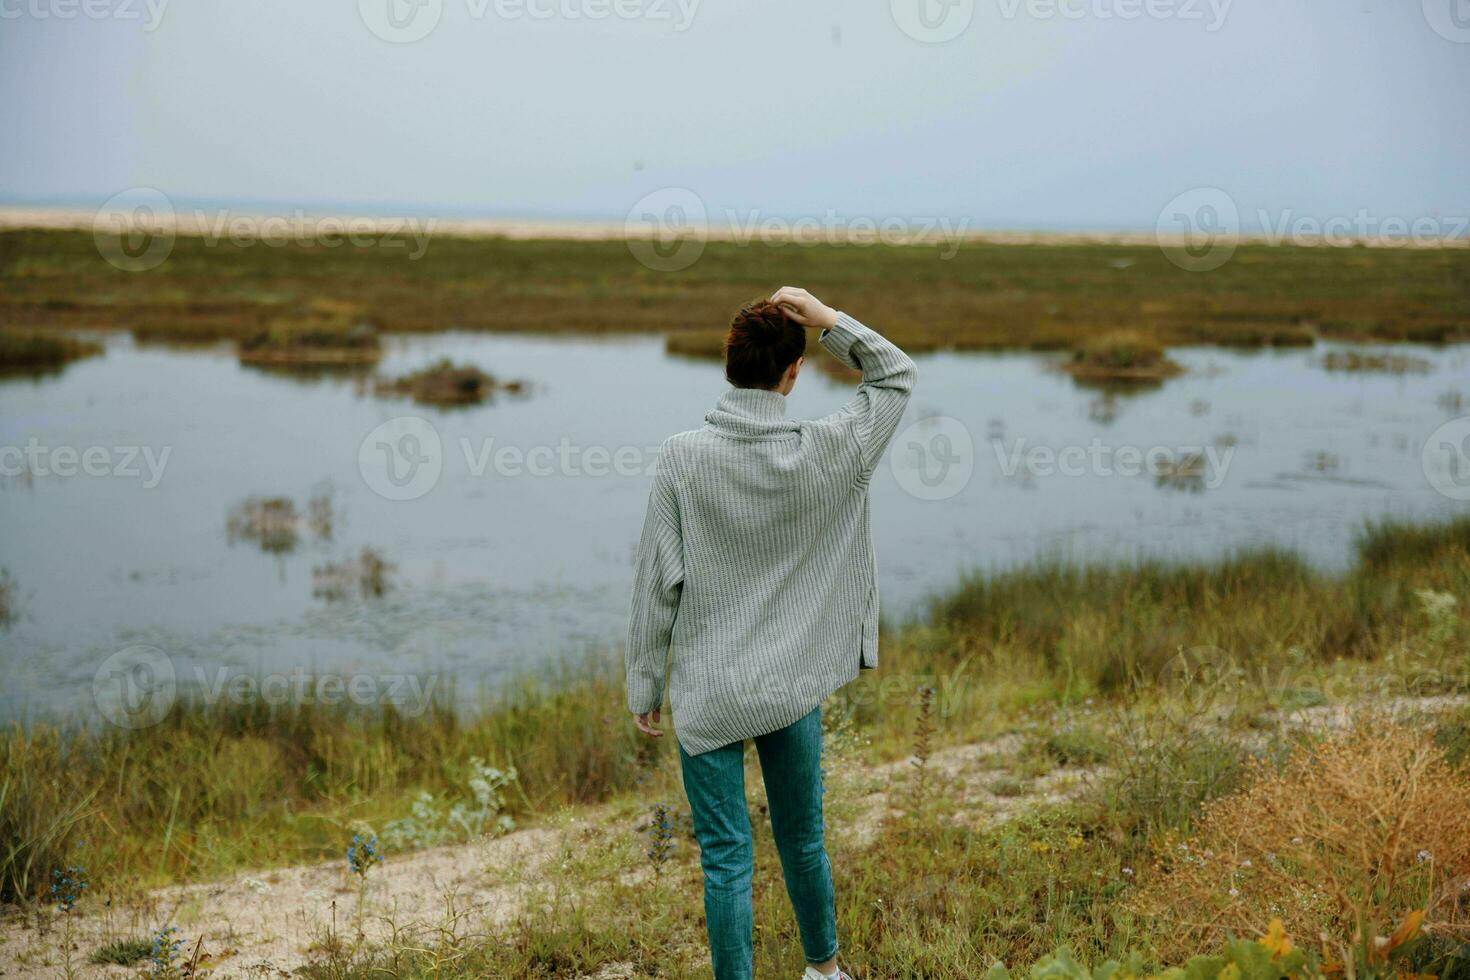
<point x="751" y="412"/>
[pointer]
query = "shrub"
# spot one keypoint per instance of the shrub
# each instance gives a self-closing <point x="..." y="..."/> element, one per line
<point x="435" y="821"/>
<point x="1348" y="837"/>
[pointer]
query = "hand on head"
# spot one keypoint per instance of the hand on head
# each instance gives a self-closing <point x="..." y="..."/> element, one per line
<point x="804" y="308"/>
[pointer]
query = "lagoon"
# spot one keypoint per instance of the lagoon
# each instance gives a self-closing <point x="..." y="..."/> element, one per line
<point x="519" y="550"/>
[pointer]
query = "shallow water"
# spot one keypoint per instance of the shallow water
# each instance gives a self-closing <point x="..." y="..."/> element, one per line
<point x="499" y="565"/>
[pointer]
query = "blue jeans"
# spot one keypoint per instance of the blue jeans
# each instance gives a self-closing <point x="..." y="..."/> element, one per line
<point x="791" y="765"/>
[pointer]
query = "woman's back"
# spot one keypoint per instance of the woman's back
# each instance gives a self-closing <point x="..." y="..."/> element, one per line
<point x="756" y="561"/>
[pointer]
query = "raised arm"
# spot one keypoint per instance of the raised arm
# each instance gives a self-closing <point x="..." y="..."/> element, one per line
<point x="658" y="582"/>
<point x="888" y="373"/>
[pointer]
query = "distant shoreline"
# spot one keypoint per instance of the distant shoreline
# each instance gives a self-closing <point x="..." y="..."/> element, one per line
<point x="187" y="222"/>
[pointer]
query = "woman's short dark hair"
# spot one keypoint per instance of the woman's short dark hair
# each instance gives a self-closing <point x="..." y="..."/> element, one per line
<point x="762" y="343"/>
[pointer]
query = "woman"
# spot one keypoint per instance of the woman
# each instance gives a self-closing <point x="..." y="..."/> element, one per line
<point x="755" y="570"/>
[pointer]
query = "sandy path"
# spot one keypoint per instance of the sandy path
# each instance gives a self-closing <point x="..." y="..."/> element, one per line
<point x="205" y="221"/>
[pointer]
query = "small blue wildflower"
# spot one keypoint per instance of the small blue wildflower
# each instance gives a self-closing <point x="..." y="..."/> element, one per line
<point x="67" y="885"/>
<point x="165" y="954"/>
<point x="661" y="837"/>
<point x="363" y="855"/>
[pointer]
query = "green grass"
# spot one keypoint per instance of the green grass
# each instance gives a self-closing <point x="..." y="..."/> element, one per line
<point x="124" y="952"/>
<point x="985" y="296"/>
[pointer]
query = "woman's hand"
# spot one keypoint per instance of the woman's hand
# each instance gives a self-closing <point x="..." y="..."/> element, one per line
<point x="646" y="721"/>
<point x="804" y="308"/>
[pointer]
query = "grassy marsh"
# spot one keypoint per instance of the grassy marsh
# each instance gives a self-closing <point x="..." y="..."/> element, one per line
<point x="987" y="296"/>
<point x="1074" y="717"/>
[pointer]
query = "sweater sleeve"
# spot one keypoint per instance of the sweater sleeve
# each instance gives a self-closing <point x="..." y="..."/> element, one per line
<point x="658" y="583"/>
<point x="888" y="381"/>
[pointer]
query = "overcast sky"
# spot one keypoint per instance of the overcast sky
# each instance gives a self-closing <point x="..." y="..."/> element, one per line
<point x="1035" y="114"/>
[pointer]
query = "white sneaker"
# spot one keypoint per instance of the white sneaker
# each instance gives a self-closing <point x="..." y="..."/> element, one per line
<point x="812" y="974"/>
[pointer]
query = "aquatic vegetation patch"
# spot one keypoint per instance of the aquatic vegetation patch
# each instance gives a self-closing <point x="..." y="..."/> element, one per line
<point x="327" y="333"/>
<point x="447" y="383"/>
<point x="1374" y="362"/>
<point x="367" y="576"/>
<point x="1121" y="356"/>
<point x="276" y="525"/>
<point x="7" y="598"/>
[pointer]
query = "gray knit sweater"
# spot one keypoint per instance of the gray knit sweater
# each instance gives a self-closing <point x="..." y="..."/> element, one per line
<point x="755" y="568"/>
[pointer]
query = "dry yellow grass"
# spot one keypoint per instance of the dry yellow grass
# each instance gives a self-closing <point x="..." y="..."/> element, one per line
<point x="1347" y="839"/>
